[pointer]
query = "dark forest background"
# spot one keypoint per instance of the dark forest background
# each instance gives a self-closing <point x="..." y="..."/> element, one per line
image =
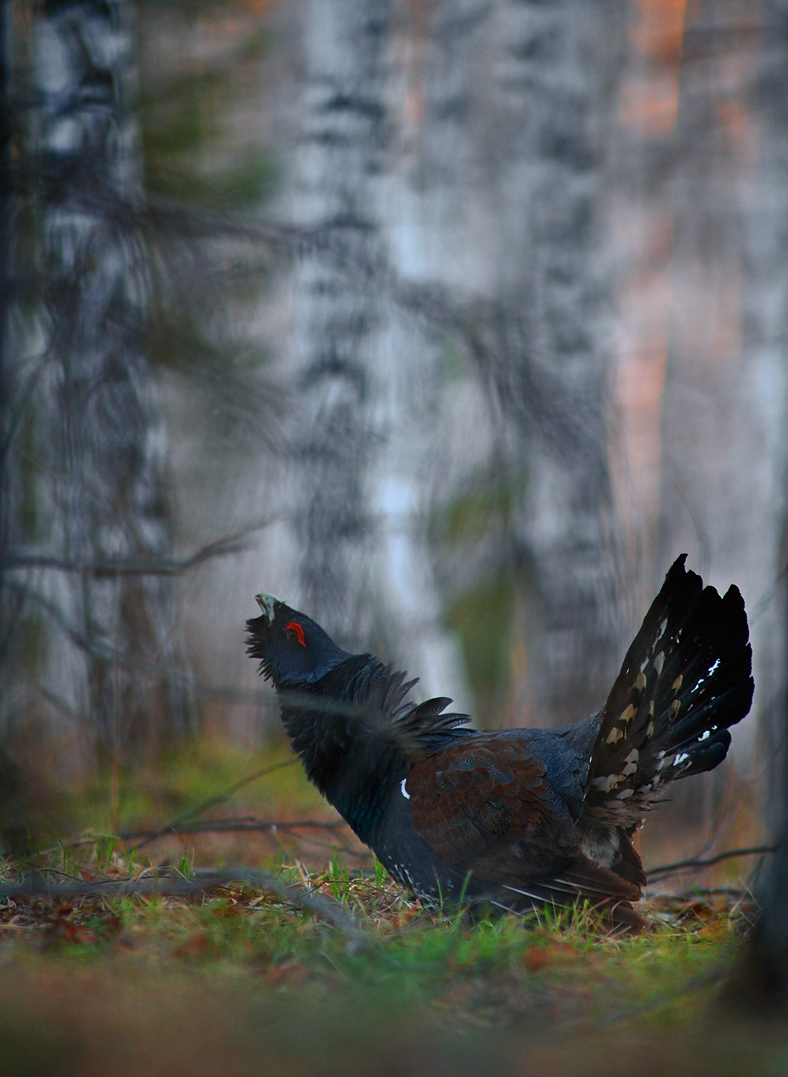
<point x="451" y="322"/>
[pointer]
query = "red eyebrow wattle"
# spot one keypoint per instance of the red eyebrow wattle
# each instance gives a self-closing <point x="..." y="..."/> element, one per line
<point x="294" y="626"/>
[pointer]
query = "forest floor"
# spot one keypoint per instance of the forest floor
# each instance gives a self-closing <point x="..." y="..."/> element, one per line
<point x="289" y="951"/>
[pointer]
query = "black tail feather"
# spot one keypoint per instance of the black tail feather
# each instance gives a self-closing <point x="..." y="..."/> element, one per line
<point x="685" y="680"/>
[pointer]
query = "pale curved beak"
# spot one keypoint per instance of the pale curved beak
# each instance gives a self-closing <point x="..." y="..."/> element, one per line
<point x="266" y="604"/>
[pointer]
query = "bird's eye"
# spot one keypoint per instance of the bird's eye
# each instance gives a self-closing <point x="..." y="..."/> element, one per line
<point x="295" y="632"/>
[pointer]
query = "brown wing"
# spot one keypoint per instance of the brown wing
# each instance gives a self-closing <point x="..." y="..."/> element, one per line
<point x="485" y="807"/>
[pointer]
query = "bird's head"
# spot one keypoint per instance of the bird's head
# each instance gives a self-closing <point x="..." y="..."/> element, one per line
<point x="292" y="648"/>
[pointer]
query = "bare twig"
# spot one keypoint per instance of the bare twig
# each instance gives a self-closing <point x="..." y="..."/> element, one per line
<point x="230" y="825"/>
<point x="364" y="853"/>
<point x="664" y="870"/>
<point x="200" y="808"/>
<point x="321" y="905"/>
<point x="141" y="566"/>
<point x="710" y="891"/>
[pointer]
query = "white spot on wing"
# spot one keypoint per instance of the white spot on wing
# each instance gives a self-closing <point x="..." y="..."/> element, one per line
<point x="405" y="792"/>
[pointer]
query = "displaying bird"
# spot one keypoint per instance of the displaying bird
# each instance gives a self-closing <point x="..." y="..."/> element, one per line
<point x="519" y="818"/>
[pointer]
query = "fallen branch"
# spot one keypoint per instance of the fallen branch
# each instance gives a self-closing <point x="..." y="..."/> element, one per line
<point x="229" y="825"/>
<point x="664" y="870"/>
<point x="324" y="907"/>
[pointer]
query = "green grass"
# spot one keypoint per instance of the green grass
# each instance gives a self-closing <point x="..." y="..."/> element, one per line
<point x="155" y="795"/>
<point x="240" y="981"/>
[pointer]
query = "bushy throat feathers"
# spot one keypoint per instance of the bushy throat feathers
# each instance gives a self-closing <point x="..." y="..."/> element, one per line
<point x="345" y="739"/>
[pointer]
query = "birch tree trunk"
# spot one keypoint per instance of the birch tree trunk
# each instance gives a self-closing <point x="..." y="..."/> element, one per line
<point x="365" y="381"/>
<point x="765" y="337"/>
<point x="501" y="198"/>
<point x="7" y="602"/>
<point x="517" y="119"/>
<point x="97" y="445"/>
<point x="557" y="88"/>
<point x="342" y="156"/>
<point x="724" y="410"/>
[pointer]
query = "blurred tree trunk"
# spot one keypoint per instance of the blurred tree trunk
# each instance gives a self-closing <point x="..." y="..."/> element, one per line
<point x="7" y="601"/>
<point x="468" y="150"/>
<point x="761" y="982"/>
<point x="756" y="536"/>
<point x="365" y="380"/>
<point x="341" y="156"/>
<point x="94" y="447"/>
<point x="722" y="495"/>
<point x="558" y="65"/>
<point x="515" y="134"/>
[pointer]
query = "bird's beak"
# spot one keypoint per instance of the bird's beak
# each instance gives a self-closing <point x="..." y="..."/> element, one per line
<point x="266" y="604"/>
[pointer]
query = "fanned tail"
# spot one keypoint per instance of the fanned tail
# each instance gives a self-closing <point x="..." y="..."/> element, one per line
<point x="685" y="680"/>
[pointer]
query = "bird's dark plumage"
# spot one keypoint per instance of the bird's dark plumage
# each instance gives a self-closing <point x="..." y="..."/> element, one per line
<point x="524" y="817"/>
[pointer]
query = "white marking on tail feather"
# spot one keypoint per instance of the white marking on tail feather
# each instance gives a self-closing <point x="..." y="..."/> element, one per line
<point x="631" y="763"/>
<point x="699" y="684"/>
<point x="604" y="785"/>
<point x="659" y="662"/>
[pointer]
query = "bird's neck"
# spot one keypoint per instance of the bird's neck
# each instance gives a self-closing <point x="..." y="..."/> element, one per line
<point x="344" y="747"/>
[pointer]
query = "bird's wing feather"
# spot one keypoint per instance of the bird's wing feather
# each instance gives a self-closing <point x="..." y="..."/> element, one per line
<point x="485" y="807"/>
